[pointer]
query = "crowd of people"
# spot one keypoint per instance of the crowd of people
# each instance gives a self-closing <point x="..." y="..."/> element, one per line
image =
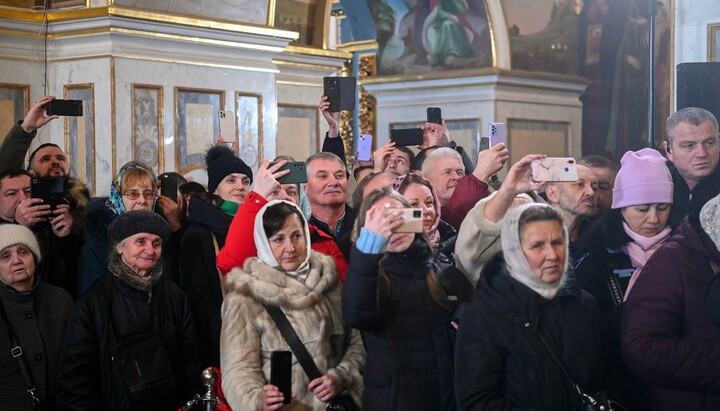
<point x="512" y="294"/>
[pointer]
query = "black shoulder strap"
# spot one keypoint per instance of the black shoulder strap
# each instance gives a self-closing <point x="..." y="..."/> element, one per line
<point x="291" y="337"/>
<point x="586" y="398"/>
<point x="17" y="352"/>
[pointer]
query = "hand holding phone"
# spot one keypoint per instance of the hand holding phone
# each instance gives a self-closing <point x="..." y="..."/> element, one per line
<point x="340" y="92"/>
<point x="413" y="220"/>
<point x="554" y="169"/>
<point x="281" y="373"/>
<point x="297" y="174"/>
<point x="59" y="107"/>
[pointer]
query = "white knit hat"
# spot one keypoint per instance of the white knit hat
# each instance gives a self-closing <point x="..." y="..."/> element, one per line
<point x="11" y="234"/>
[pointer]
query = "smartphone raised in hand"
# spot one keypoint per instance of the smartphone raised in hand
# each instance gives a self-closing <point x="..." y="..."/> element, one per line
<point x="365" y="147"/>
<point x="434" y="115"/>
<point x="407" y="137"/>
<point x="413" y="220"/>
<point x="50" y="189"/>
<point x="281" y="373"/>
<point x="497" y="134"/>
<point x="554" y="169"/>
<point x="73" y="108"/>
<point x="227" y="126"/>
<point x="340" y="92"/>
<point x="297" y="174"/>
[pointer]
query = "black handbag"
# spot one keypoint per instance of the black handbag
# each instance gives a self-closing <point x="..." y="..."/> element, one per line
<point x="144" y="366"/>
<point x="596" y="402"/>
<point x="143" y="363"/>
<point x="342" y="402"/>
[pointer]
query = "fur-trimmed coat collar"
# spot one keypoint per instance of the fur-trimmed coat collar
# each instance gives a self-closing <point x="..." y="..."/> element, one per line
<point x="271" y="286"/>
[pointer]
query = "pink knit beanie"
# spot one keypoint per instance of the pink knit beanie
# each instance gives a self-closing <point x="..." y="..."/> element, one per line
<point x="643" y="179"/>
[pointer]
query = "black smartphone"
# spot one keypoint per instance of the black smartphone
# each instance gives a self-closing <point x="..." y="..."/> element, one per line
<point x="340" y="92"/>
<point x="484" y="143"/>
<point x="50" y="189"/>
<point x="434" y="115"/>
<point x="297" y="175"/>
<point x="169" y="186"/>
<point x="407" y="137"/>
<point x="281" y="373"/>
<point x="64" y="108"/>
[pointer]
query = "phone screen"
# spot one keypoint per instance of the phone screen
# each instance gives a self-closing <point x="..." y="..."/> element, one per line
<point x="280" y="373"/>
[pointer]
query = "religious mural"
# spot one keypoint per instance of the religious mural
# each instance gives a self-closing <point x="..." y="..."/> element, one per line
<point x="416" y="36"/>
<point x="543" y="34"/>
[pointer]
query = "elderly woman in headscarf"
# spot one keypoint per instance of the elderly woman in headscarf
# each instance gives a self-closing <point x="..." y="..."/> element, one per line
<point x="130" y="311"/>
<point x="33" y="316"/>
<point x="527" y="304"/>
<point x="240" y="245"/>
<point x="304" y="285"/>
<point x="133" y="188"/>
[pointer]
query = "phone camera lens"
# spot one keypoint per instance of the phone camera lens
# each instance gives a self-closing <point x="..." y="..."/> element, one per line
<point x="417" y="214"/>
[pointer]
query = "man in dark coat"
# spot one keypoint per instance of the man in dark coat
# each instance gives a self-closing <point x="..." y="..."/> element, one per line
<point x="668" y="339"/>
<point x="693" y="151"/>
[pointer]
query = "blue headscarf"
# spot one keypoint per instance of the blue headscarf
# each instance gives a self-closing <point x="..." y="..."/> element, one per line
<point x="114" y="201"/>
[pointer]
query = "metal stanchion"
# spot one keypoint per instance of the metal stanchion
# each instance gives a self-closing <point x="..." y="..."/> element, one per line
<point x="209" y="400"/>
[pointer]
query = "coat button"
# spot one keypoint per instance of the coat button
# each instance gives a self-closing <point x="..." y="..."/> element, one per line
<point x="28" y="316"/>
<point x="527" y="325"/>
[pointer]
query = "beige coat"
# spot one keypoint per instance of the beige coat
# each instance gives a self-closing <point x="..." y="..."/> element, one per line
<point x="249" y="334"/>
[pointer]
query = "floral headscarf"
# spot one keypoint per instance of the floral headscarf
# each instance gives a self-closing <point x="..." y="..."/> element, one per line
<point x="114" y="201"/>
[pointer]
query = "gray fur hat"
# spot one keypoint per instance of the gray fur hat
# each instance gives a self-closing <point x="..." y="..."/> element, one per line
<point x="11" y="234"/>
<point x="138" y="221"/>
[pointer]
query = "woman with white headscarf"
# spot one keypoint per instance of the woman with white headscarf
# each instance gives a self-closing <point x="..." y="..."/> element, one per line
<point x="525" y="300"/>
<point x="304" y="285"/>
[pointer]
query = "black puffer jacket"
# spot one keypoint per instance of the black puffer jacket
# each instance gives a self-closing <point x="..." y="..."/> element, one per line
<point x="687" y="201"/>
<point x="501" y="364"/>
<point x="407" y="335"/>
<point x="199" y="276"/>
<point x="87" y="377"/>
<point x="39" y="318"/>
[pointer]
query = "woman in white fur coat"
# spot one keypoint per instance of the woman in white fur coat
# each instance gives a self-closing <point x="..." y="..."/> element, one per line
<point x="304" y="285"/>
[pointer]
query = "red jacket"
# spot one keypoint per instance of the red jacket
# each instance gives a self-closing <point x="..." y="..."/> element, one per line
<point x="240" y="244"/>
<point x="468" y="192"/>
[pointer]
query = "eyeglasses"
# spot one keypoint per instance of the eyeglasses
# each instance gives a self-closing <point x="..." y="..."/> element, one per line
<point x="134" y="195"/>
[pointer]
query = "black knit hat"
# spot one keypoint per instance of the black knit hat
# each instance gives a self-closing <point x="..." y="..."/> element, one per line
<point x="138" y="221"/>
<point x="220" y="162"/>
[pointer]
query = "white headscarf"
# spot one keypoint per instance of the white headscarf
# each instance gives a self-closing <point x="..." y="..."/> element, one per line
<point x="517" y="264"/>
<point x="262" y="243"/>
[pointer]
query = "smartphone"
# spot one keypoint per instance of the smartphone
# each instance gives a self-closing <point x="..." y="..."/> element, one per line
<point x="169" y="186"/>
<point x="297" y="175"/>
<point x="340" y="92"/>
<point x="407" y="137"/>
<point x="413" y="221"/>
<point x="484" y="143"/>
<point x="365" y="147"/>
<point x="50" y="189"/>
<point x="497" y="134"/>
<point x="554" y="169"/>
<point x="72" y="108"/>
<point x="280" y="373"/>
<point x="227" y="126"/>
<point x="434" y="115"/>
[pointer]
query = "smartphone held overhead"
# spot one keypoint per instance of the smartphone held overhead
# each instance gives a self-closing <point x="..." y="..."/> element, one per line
<point x="406" y="137"/>
<point x="434" y="115"/>
<point x="227" y="126"/>
<point x="497" y="134"/>
<point x="554" y="169"/>
<point x="364" y="149"/>
<point x="297" y="174"/>
<point x="340" y="92"/>
<point x="59" y="107"/>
